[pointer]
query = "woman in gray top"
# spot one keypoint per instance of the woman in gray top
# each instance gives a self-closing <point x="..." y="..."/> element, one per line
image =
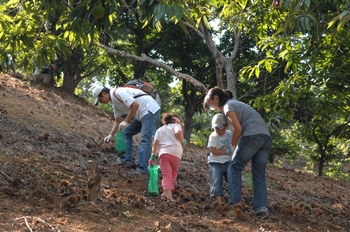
<point x="251" y="140"/>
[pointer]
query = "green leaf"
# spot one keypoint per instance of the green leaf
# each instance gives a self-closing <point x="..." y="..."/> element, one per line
<point x="169" y="12"/>
<point x="261" y="62"/>
<point x="343" y="21"/>
<point x="257" y="71"/>
<point x="307" y="3"/>
<point x="289" y="63"/>
<point x="178" y="11"/>
<point x="66" y="34"/>
<point x="160" y="10"/>
<point x="283" y="54"/>
<point x="142" y="2"/>
<point x="273" y="61"/>
<point x="13" y="3"/>
<point x="307" y="23"/>
<point x="2" y="8"/>
<point x="268" y="66"/>
<point x="6" y="18"/>
<point x="333" y="21"/>
<point x="251" y="72"/>
<point x="183" y="26"/>
<point x="343" y="14"/>
<point x="312" y="17"/>
<point x="189" y="19"/>
<point x="71" y="37"/>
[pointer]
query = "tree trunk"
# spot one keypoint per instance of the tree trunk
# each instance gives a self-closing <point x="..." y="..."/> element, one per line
<point x="220" y="60"/>
<point x="192" y="103"/>
<point x="321" y="162"/>
<point x="231" y="78"/>
<point x="94" y="181"/>
<point x="188" y="123"/>
<point x="71" y="71"/>
<point x="322" y="150"/>
<point x="68" y="83"/>
<point x="230" y="74"/>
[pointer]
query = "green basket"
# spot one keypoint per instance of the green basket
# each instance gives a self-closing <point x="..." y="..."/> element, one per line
<point x="153" y="180"/>
<point x="120" y="144"/>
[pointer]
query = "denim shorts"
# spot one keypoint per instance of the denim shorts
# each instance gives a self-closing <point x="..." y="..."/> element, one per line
<point x="217" y="173"/>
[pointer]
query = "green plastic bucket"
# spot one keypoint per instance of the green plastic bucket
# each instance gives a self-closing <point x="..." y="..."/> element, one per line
<point x="153" y="180"/>
<point x="120" y="144"/>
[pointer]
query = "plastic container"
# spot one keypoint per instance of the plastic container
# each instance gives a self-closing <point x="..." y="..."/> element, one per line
<point x="153" y="180"/>
<point x="120" y="144"/>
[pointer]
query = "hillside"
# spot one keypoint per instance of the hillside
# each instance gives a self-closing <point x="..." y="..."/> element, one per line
<point x="47" y="138"/>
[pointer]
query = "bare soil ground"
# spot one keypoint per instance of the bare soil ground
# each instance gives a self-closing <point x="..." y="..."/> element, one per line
<point x="47" y="138"/>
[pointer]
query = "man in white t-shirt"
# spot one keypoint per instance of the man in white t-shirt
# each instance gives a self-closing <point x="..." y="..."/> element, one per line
<point x="143" y="114"/>
<point x="220" y="155"/>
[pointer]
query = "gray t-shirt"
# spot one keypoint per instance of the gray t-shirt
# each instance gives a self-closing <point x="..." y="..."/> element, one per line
<point x="251" y="121"/>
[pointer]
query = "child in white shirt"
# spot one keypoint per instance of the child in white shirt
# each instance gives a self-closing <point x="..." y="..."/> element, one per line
<point x="220" y="155"/>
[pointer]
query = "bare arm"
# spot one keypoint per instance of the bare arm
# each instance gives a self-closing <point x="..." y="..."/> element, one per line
<point x="179" y="136"/>
<point x="232" y="117"/>
<point x="216" y="151"/>
<point x="133" y="109"/>
<point x="155" y="147"/>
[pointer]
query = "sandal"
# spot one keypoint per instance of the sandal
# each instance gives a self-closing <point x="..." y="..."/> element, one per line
<point x="163" y="197"/>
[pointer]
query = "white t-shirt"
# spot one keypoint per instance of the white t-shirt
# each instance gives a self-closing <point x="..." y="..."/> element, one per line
<point x="126" y="98"/>
<point x="220" y="142"/>
<point x="167" y="140"/>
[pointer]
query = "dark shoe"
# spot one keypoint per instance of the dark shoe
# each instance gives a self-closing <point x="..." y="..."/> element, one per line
<point x="262" y="212"/>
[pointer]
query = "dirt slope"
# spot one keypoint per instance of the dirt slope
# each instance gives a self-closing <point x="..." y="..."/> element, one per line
<point x="47" y="138"/>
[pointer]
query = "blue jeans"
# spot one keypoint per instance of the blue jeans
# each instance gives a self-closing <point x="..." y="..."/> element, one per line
<point x="255" y="148"/>
<point x="217" y="172"/>
<point x="146" y="127"/>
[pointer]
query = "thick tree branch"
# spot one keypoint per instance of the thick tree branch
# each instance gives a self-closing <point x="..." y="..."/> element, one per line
<point x="197" y="84"/>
